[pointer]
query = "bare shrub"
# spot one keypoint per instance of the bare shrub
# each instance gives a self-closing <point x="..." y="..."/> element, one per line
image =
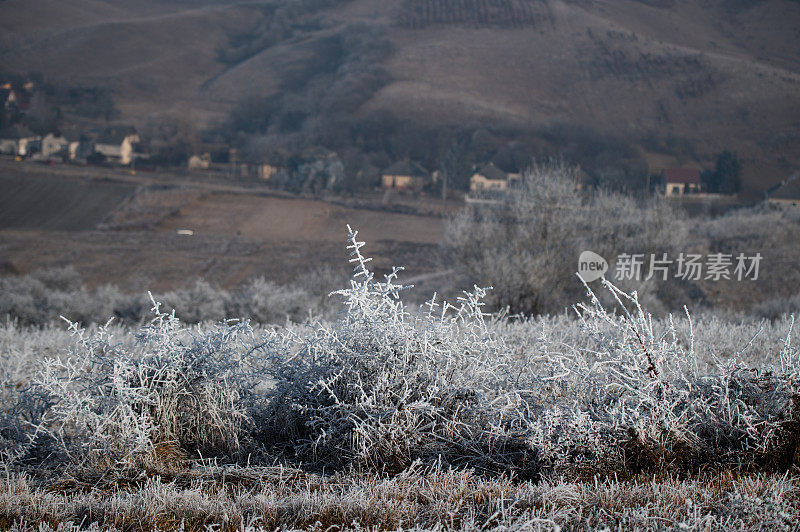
<point x="173" y="391"/>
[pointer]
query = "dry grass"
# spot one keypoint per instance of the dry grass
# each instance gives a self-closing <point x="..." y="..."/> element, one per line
<point x="424" y="499"/>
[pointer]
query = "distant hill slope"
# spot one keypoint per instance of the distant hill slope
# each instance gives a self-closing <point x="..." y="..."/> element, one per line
<point x="718" y="73"/>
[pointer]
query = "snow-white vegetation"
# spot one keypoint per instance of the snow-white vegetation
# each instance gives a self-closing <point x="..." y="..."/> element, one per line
<point x="438" y="417"/>
<point x="42" y="296"/>
<point x="527" y="245"/>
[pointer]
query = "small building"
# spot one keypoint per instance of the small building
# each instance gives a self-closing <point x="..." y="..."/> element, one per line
<point x="117" y="144"/>
<point x="680" y="181"/>
<point x="200" y="162"/>
<point x="405" y="175"/>
<point x="55" y="144"/>
<point x="77" y="145"/>
<point x="787" y="192"/>
<point x="19" y="141"/>
<point x="490" y="178"/>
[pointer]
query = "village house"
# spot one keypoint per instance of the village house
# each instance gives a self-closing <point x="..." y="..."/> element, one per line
<point x="117" y="144"/>
<point x="54" y="144"/>
<point x="64" y="144"/>
<point x="404" y="175"/>
<point x="19" y="141"/>
<point x="77" y="145"/>
<point x="199" y="162"/>
<point x="680" y="181"/>
<point x="490" y="178"/>
<point x="787" y="192"/>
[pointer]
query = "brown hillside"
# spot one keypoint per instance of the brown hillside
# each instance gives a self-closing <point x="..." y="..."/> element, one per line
<point x="719" y="73"/>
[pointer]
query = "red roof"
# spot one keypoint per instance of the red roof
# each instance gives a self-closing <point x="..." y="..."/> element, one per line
<point x="682" y="175"/>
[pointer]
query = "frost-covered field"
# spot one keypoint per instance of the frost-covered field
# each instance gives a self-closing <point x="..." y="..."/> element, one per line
<point x="390" y="417"/>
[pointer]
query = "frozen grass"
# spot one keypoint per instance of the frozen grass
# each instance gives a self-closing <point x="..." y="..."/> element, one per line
<point x="417" y="499"/>
<point x="395" y="417"/>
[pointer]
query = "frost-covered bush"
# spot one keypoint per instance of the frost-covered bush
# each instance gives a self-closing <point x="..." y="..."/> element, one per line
<point x="22" y="349"/>
<point x="382" y="386"/>
<point x="527" y="247"/>
<point x="264" y="301"/>
<point x="198" y="303"/>
<point x="634" y="393"/>
<point x="774" y="309"/>
<point x="615" y="390"/>
<point x="171" y="391"/>
<point x="43" y="296"/>
<point x="769" y="230"/>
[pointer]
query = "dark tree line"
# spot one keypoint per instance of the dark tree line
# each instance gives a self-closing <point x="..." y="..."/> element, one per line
<point x="726" y="177"/>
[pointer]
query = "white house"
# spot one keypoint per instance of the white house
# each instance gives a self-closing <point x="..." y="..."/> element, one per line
<point x="66" y="145"/>
<point x="117" y="144"/>
<point x="404" y="174"/>
<point x="200" y="162"/>
<point x="18" y="140"/>
<point x="490" y="178"/>
<point x="681" y="181"/>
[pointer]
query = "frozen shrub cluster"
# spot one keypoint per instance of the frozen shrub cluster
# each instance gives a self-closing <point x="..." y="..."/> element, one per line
<point x="198" y="303"/>
<point x="634" y="393"/>
<point x="624" y="391"/>
<point x="21" y="350"/>
<point x="608" y="390"/>
<point x="44" y="296"/>
<point x="172" y="391"/>
<point x="527" y="245"/>
<point x="40" y="298"/>
<point x="264" y="301"/>
<point x="770" y="230"/>
<point x="777" y="308"/>
<point x="382" y="386"/>
<point x="258" y="300"/>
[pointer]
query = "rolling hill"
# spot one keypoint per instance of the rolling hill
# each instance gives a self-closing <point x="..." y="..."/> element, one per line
<point x="712" y="74"/>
